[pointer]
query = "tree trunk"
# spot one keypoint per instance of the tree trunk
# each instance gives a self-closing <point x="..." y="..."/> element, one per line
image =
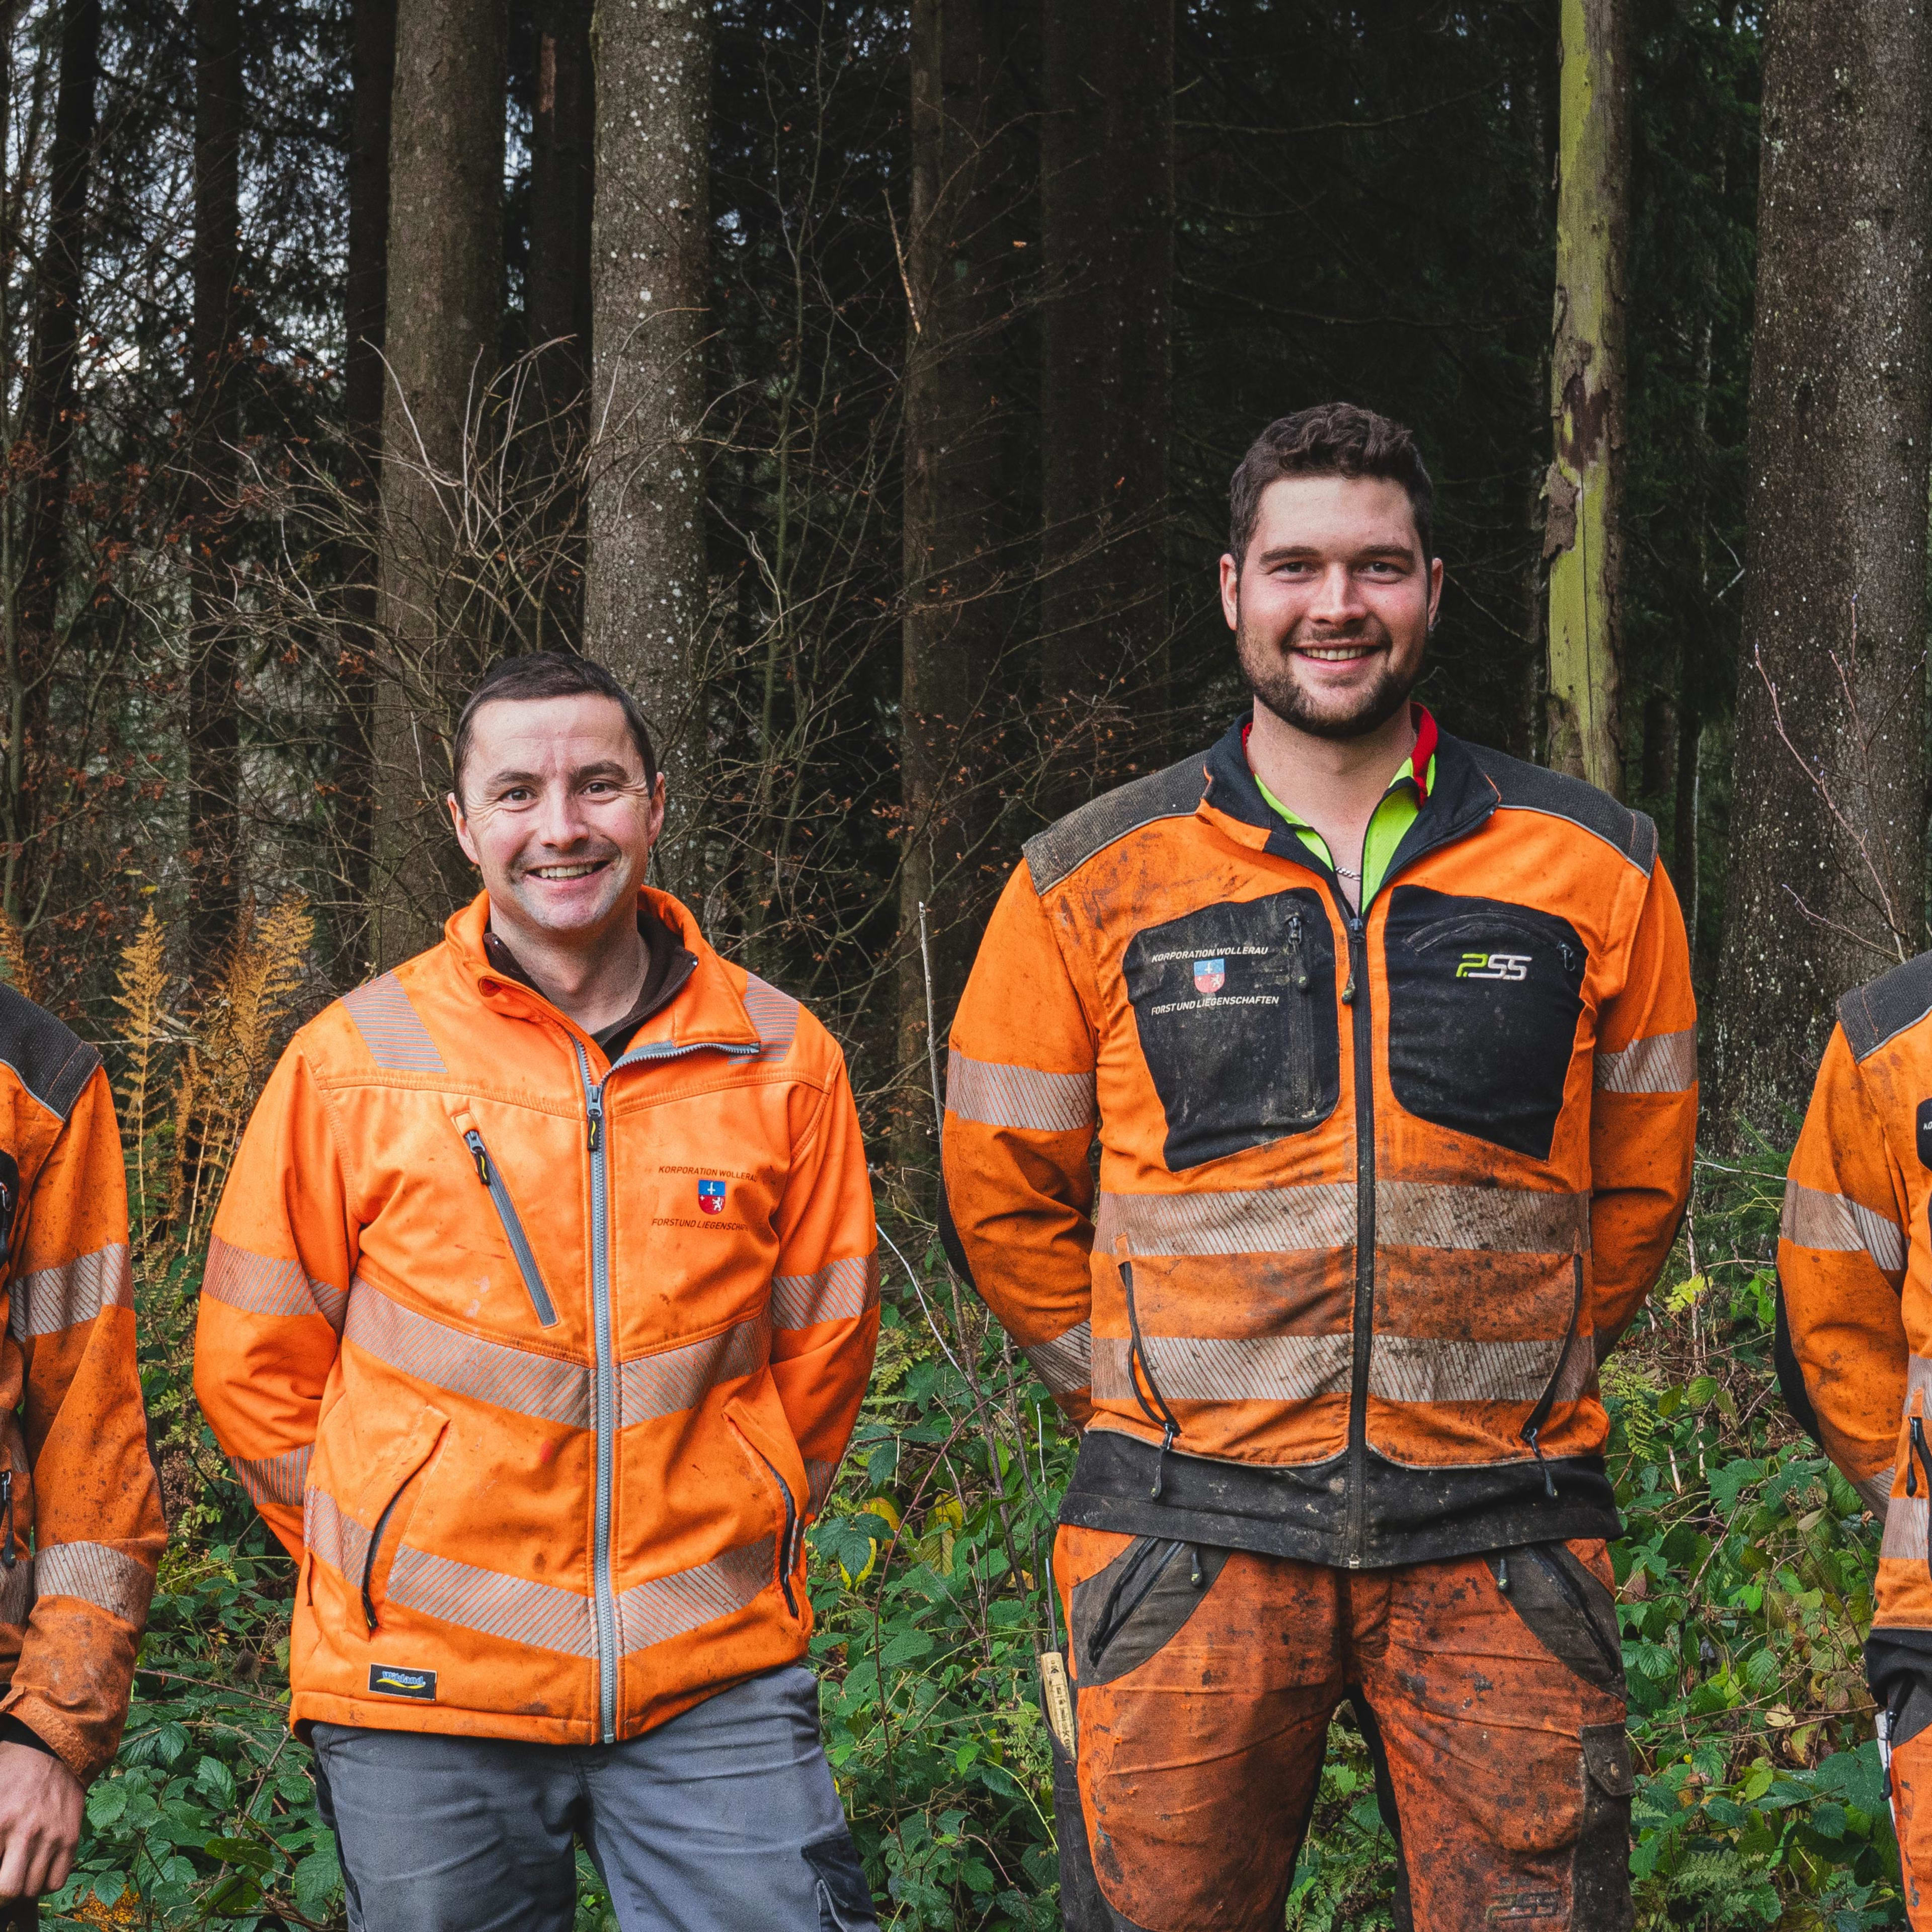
<point x="1107" y="203"/>
<point x="214" y="726"/>
<point x="373" y="80"/>
<point x="47" y="437"/>
<point x="959" y="268"/>
<point x="1582" y="537"/>
<point x="646" y="588"/>
<point x="445" y="282"/>
<point x="1825" y="887"/>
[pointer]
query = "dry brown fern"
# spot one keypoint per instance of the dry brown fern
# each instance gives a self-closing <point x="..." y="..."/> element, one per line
<point x="146" y="1037"/>
<point x="14" y="962"/>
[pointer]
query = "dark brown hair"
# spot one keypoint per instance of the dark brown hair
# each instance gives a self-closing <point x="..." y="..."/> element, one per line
<point x="548" y="674"/>
<point x="1331" y="439"/>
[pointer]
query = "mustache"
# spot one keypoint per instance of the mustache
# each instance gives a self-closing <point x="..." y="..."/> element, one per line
<point x="1369" y="630"/>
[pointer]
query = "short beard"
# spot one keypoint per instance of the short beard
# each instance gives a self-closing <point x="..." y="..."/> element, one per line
<point x="1269" y="673"/>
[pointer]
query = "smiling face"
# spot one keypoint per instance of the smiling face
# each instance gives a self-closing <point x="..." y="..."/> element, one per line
<point x="1330" y="608"/>
<point x="557" y="815"/>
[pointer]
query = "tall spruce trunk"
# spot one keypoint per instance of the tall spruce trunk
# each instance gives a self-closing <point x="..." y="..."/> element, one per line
<point x="958" y="268"/>
<point x="1107" y="203"/>
<point x="1826" y="878"/>
<point x="645" y="585"/>
<point x="45" y="455"/>
<point x="215" y="855"/>
<point x="445" y="282"/>
<point x="1582" y="535"/>
<point x="365" y="297"/>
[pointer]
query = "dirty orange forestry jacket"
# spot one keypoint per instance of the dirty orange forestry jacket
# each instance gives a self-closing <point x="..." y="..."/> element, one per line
<point x="540" y="1365"/>
<point x="1375" y="1195"/>
<point x="80" y="1516"/>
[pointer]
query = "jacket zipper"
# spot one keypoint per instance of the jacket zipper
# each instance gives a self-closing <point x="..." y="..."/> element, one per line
<point x="785" y="1553"/>
<point x="1918" y="1450"/>
<point x="1137" y="1354"/>
<point x="375" y="1549"/>
<point x="9" y="1553"/>
<point x="1532" y="1429"/>
<point x="1355" y="997"/>
<point x="506" y="1212"/>
<point x="604" y="1595"/>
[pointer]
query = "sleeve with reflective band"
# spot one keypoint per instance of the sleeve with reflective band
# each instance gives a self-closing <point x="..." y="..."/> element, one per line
<point x="273" y="1297"/>
<point x="1643" y="1115"/>
<point x="1841" y="1256"/>
<point x="1019" y="1121"/>
<point x="825" y="1294"/>
<point x="83" y="1486"/>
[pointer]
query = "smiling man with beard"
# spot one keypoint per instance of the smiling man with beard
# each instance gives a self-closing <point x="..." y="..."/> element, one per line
<point x="541" y="1302"/>
<point x="1387" y="1043"/>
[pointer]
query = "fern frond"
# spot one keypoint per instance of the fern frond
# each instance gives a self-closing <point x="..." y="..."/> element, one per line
<point x="13" y="961"/>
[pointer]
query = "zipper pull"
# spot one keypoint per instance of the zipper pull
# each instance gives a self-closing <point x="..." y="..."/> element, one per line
<point x="8" y="1557"/>
<point x="473" y="1141"/>
<point x="1536" y="1449"/>
<point x="593" y="1099"/>
<point x="1196" y="1577"/>
<point x="1502" y="1571"/>
<point x="1295" y="954"/>
<point x="1349" y="991"/>
<point x="1160" y="1463"/>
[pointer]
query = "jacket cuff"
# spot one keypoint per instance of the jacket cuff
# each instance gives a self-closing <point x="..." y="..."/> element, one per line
<point x="13" y="1732"/>
<point x="47" y="1730"/>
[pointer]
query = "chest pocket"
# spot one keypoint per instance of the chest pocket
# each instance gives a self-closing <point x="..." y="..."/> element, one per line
<point x="1235" y="1007"/>
<point x="1483" y="999"/>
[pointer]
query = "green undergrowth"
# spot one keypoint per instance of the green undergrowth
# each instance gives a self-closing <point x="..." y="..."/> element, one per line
<point x="1744" y="1582"/>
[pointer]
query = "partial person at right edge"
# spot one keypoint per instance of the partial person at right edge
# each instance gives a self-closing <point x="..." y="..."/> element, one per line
<point x="1388" y="1042"/>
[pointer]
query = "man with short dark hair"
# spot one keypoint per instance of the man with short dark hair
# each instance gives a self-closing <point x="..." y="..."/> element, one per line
<point x="1387" y="1041"/>
<point x="542" y="1298"/>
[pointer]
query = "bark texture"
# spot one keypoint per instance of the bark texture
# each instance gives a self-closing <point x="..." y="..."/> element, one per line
<point x="1826" y="883"/>
<point x="959" y="272"/>
<point x="1582" y="535"/>
<point x="446" y="282"/>
<point x="646" y="587"/>
<point x="1107" y="242"/>
<point x="214" y="722"/>
<point x="47" y="434"/>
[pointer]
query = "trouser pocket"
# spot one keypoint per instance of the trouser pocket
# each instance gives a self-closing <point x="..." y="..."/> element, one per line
<point x="844" y="1899"/>
<point x="1600" y="1871"/>
<point x="1131" y="1610"/>
<point x="1566" y="1609"/>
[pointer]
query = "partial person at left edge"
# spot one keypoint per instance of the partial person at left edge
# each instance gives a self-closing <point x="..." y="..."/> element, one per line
<point x="80" y="1514"/>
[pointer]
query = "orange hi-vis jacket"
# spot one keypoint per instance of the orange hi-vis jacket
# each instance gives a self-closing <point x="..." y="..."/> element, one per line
<point x="539" y="1364"/>
<point x="80" y="1512"/>
<point x="1376" y="1193"/>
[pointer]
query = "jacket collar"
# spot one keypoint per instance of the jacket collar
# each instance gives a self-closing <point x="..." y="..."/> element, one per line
<point x="707" y="1009"/>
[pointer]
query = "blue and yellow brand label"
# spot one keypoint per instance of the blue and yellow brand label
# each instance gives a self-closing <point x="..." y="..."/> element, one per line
<point x="398" y="1680"/>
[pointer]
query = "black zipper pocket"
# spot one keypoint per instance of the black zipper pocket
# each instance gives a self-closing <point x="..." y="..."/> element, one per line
<point x="1925" y="1461"/>
<point x="1298" y="1028"/>
<point x="9" y="1550"/>
<point x="506" y="1212"/>
<point x="1567" y="1586"/>
<point x="787" y="1556"/>
<point x="1532" y="1429"/>
<point x="1140" y="1369"/>
<point x="369" y="1560"/>
<point x="1140" y="1571"/>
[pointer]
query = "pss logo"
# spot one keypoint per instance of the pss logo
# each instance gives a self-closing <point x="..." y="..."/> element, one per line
<point x="1494" y="966"/>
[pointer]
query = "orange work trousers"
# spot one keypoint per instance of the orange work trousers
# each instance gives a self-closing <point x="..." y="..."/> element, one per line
<point x="1912" y="1814"/>
<point x="1490" y="1689"/>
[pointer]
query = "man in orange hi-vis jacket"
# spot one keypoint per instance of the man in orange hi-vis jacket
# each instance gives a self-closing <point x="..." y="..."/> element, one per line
<point x="1387" y="1043"/>
<point x="1854" y="1346"/>
<point x="80" y="1517"/>
<point x="542" y="1298"/>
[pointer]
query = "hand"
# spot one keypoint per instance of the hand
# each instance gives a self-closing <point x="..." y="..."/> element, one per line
<point x="40" y="1821"/>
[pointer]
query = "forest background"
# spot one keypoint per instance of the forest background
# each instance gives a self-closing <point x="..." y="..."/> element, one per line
<point x="861" y="382"/>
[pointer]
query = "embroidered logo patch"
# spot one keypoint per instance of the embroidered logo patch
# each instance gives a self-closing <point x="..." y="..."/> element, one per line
<point x="398" y="1680"/>
<point x="1210" y="975"/>
<point x="711" y="1196"/>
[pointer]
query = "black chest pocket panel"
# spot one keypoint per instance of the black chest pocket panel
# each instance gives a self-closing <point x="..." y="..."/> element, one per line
<point x="1483" y="999"/>
<point x="1235" y="1004"/>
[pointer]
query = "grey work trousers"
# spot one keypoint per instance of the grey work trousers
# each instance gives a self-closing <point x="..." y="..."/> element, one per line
<point x="723" y="1819"/>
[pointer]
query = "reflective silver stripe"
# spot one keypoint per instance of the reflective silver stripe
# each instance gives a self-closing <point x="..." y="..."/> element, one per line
<point x="1499" y="1220"/>
<point x="1834" y="1224"/>
<point x="1066" y="1363"/>
<point x="1905" y="1526"/>
<point x="819" y="1478"/>
<point x="1256" y="1368"/>
<point x="675" y="1379"/>
<point x="265" y="1286"/>
<point x="996" y="1095"/>
<point x="510" y="1607"/>
<point x="774" y="1014"/>
<point x="1268" y="1219"/>
<point x="108" y="1579"/>
<point x="16" y="1590"/>
<point x="51" y="1299"/>
<point x="1411" y="1368"/>
<point x="491" y="1372"/>
<point x="839" y="1291"/>
<point x="1666" y="1063"/>
<point x="333" y="1536"/>
<point x="668" y="1606"/>
<point x="1875" y="1492"/>
<point x="396" y="1039"/>
<point x="273" y="1479"/>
